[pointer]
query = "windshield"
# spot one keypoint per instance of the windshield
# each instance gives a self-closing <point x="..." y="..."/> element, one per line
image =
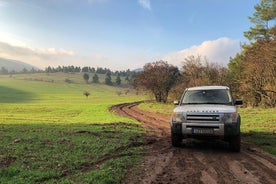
<point x="214" y="96"/>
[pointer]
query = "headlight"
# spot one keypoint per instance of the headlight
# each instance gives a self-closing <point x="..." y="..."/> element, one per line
<point x="178" y="117"/>
<point x="230" y="117"/>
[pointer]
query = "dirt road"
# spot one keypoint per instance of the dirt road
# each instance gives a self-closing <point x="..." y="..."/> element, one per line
<point x="196" y="161"/>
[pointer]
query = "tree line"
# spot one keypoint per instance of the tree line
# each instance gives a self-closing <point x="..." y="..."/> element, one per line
<point x="67" y="69"/>
<point x="5" y="71"/>
<point x="164" y="80"/>
<point x="251" y="74"/>
<point x="129" y="78"/>
<point x="86" y="69"/>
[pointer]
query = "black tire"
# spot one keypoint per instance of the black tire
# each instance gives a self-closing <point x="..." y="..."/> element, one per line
<point x="235" y="143"/>
<point x="176" y="140"/>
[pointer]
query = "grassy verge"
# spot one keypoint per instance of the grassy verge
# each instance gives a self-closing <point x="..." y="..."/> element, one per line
<point x="51" y="133"/>
<point x="258" y="124"/>
<point x="77" y="153"/>
<point x="259" y="127"/>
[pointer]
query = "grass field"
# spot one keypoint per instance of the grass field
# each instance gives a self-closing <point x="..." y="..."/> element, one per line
<point x="51" y="133"/>
<point x="258" y="124"/>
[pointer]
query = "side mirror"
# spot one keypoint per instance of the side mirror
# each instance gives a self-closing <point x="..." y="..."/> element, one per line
<point x="238" y="102"/>
<point x="176" y="102"/>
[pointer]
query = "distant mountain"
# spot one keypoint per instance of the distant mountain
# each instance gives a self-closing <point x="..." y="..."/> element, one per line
<point x="13" y="65"/>
<point x="137" y="70"/>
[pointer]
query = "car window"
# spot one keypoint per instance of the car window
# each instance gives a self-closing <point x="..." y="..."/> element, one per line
<point x="217" y="96"/>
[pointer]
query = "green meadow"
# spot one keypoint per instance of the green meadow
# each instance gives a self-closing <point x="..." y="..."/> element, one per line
<point x="51" y="133"/>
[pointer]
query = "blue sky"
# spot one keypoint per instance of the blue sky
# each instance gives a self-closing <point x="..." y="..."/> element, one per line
<point x="122" y="34"/>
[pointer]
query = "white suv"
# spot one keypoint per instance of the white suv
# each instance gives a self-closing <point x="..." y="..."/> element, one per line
<point x="207" y="112"/>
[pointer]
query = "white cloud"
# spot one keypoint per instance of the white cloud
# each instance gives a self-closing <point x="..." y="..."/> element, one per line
<point x="216" y="51"/>
<point x="39" y="57"/>
<point x="54" y="51"/>
<point x="37" y="51"/>
<point x="145" y="4"/>
<point x="11" y="39"/>
<point x="43" y="57"/>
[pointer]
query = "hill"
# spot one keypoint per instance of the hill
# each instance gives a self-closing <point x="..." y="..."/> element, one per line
<point x="14" y="65"/>
<point x="58" y="135"/>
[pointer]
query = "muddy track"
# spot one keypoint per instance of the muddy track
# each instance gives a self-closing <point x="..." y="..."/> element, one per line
<point x="195" y="161"/>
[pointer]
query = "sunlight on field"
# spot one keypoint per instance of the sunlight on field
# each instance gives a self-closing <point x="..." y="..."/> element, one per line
<point x="43" y="102"/>
<point x="51" y="133"/>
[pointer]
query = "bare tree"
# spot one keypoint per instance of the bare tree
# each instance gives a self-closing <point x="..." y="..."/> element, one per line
<point x="159" y="78"/>
<point x="198" y="72"/>
<point x="259" y="76"/>
<point x="86" y="93"/>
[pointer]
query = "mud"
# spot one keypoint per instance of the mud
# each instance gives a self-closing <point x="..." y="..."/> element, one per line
<point x="195" y="161"/>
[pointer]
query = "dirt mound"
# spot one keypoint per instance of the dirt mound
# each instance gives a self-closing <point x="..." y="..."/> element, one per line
<point x="196" y="161"/>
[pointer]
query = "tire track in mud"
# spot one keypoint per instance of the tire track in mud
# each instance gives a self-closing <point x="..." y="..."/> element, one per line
<point x="195" y="161"/>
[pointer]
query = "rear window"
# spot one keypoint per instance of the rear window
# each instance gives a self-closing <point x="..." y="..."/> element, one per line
<point x="214" y="96"/>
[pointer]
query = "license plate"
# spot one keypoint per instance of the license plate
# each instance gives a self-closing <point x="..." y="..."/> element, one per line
<point x="203" y="131"/>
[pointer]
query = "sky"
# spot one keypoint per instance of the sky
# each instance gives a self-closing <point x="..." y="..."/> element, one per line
<point x="122" y="34"/>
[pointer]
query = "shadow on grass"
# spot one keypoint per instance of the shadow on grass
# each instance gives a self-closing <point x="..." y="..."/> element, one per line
<point x="11" y="95"/>
<point x="265" y="140"/>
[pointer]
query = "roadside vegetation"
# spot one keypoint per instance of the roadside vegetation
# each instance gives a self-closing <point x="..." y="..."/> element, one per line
<point x="51" y="133"/>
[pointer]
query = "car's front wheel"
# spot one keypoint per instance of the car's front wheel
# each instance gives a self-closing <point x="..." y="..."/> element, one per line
<point x="235" y="143"/>
<point x="176" y="139"/>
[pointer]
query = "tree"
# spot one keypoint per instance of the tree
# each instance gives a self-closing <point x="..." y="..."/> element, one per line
<point x="253" y="71"/>
<point x="258" y="64"/>
<point x="86" y="77"/>
<point x="4" y="70"/>
<point x="95" y="78"/>
<point x="86" y="93"/>
<point x="130" y="76"/>
<point x="193" y="71"/>
<point x="235" y="71"/>
<point x="85" y="69"/>
<point x="159" y="78"/>
<point x="108" y="78"/>
<point x="24" y="70"/>
<point x="127" y="79"/>
<point x="198" y="72"/>
<point x="259" y="74"/>
<point x="265" y="14"/>
<point x="118" y="79"/>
